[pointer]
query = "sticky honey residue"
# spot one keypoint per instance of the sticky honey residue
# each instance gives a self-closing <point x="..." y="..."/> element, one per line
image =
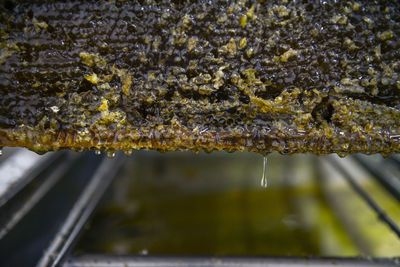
<point x="231" y="76"/>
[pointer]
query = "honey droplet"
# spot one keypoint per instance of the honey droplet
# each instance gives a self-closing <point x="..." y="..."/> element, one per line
<point x="264" y="181"/>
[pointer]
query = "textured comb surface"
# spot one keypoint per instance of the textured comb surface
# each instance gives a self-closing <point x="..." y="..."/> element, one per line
<point x="309" y="76"/>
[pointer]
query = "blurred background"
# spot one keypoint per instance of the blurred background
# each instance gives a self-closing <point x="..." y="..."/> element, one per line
<point x="180" y="203"/>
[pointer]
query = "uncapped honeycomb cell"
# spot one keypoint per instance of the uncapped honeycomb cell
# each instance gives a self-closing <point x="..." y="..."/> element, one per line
<point x="287" y="76"/>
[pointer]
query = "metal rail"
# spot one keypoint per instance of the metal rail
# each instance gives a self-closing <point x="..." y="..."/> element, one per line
<point x="208" y="261"/>
<point x="56" y="195"/>
<point x="81" y="211"/>
<point x="371" y="203"/>
<point x="11" y="214"/>
<point x="395" y="160"/>
<point x="326" y="180"/>
<point x="21" y="168"/>
<point x="379" y="174"/>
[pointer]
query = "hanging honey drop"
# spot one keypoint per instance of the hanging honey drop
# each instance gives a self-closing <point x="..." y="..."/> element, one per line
<point x="264" y="181"/>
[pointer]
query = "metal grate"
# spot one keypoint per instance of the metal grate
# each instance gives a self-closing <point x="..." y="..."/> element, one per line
<point x="48" y="202"/>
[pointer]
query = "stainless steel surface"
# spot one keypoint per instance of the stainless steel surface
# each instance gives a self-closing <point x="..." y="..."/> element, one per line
<point x="19" y="169"/>
<point x="26" y="241"/>
<point x="24" y="205"/>
<point x="81" y="211"/>
<point x="44" y="212"/>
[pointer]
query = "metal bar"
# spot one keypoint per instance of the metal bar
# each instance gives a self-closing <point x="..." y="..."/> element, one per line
<point x="325" y="179"/>
<point x="7" y="152"/>
<point x="195" y="261"/>
<point x="26" y="242"/>
<point x="380" y="176"/>
<point x="81" y="211"/>
<point x="20" y="168"/>
<point x="25" y="204"/>
<point x="373" y="205"/>
<point x="395" y="160"/>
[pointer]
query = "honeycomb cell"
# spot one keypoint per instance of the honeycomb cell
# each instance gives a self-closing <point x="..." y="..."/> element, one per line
<point x="293" y="77"/>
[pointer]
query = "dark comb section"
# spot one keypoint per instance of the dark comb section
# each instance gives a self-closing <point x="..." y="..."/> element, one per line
<point x="309" y="76"/>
